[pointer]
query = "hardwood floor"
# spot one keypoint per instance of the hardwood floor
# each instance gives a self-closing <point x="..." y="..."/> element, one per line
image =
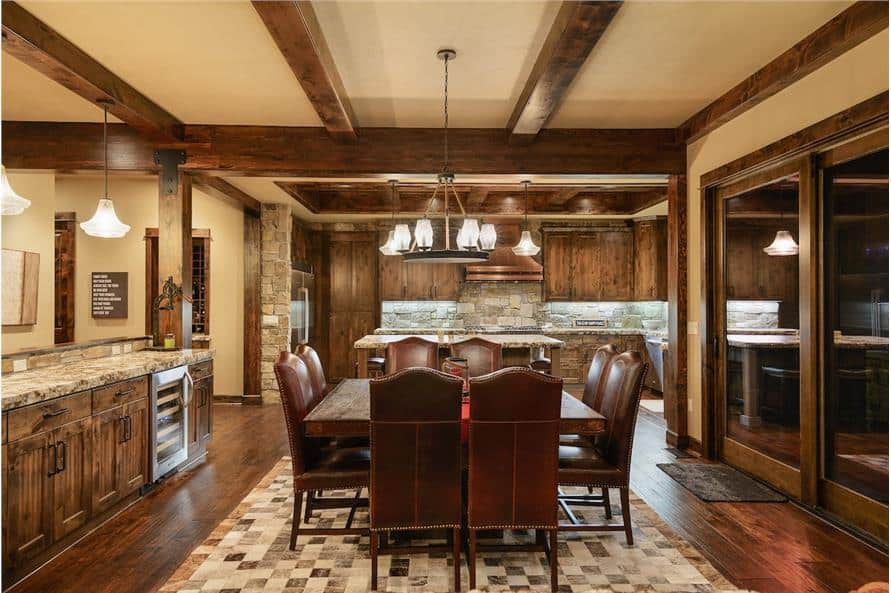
<point x="765" y="547"/>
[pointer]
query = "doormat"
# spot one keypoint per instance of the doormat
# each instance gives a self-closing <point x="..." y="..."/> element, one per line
<point x="679" y="453"/>
<point x="719" y="483"/>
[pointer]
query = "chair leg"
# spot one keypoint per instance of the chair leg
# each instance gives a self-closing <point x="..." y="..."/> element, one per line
<point x="456" y="556"/>
<point x="626" y="515"/>
<point x="552" y="556"/>
<point x="295" y="519"/>
<point x="471" y="561"/>
<point x="352" y="514"/>
<point x="373" y="536"/>
<point x="310" y="498"/>
<point x="606" y="504"/>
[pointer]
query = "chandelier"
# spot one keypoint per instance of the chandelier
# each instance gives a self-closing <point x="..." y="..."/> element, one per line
<point x="399" y="239"/>
<point x="105" y="223"/>
<point x="467" y="249"/>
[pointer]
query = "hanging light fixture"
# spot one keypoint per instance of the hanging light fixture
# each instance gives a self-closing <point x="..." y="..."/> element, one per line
<point x="488" y="237"/>
<point x="526" y="246"/>
<point x="11" y="203"/>
<point x="399" y="239"/>
<point x="467" y="250"/>
<point x="783" y="244"/>
<point x="105" y="222"/>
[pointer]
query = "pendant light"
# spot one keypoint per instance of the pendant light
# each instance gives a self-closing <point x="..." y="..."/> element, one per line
<point x="488" y="237"/>
<point x="467" y="250"/>
<point x="783" y="243"/>
<point x="526" y="246"/>
<point x="11" y="203"/>
<point x="399" y="239"/>
<point x="105" y="223"/>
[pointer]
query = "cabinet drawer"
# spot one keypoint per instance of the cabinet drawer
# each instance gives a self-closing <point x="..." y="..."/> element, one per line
<point x="119" y="393"/>
<point x="48" y="415"/>
<point x="201" y="370"/>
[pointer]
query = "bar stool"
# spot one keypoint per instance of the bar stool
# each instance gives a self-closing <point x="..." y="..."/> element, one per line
<point x="540" y="362"/>
<point x="377" y="366"/>
<point x="788" y="379"/>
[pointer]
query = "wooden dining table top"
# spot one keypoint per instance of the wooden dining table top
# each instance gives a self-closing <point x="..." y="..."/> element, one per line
<point x="346" y="412"/>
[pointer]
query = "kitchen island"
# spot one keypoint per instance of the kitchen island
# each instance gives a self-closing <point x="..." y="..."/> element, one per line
<point x="516" y="348"/>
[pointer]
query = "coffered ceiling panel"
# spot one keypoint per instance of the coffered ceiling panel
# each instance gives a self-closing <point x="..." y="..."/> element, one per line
<point x="204" y="62"/>
<point x="660" y="62"/>
<point x="386" y="55"/>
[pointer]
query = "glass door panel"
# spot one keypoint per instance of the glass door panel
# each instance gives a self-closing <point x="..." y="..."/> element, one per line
<point x="761" y="320"/>
<point x="855" y="267"/>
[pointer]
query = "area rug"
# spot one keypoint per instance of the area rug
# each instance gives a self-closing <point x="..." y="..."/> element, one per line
<point x="248" y="553"/>
<point x="714" y="482"/>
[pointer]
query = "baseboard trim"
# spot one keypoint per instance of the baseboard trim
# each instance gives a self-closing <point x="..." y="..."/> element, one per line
<point x="251" y="400"/>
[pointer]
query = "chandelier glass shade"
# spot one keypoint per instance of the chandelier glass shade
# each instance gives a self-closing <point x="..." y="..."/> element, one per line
<point x="11" y="203"/>
<point x="526" y="246"/>
<point x="402" y="236"/>
<point x="488" y="237"/>
<point x="389" y="246"/>
<point x="105" y="224"/>
<point x="783" y="244"/>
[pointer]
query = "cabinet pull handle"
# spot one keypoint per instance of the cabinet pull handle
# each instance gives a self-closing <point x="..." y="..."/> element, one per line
<point x="55" y="461"/>
<point x="62" y="447"/>
<point x="122" y="392"/>
<point x="123" y="429"/>
<point x="58" y="412"/>
<point x="129" y="425"/>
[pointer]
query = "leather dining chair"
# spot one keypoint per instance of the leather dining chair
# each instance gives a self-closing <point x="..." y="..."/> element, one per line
<point x="416" y="460"/>
<point x="512" y="458"/>
<point x="411" y="352"/>
<point x="317" y="464"/>
<point x="482" y="356"/>
<point x="608" y="463"/>
<point x="309" y="356"/>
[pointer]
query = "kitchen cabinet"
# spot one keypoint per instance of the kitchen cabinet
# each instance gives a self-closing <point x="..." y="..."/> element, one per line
<point x="446" y="281"/>
<point x="108" y="433"/>
<point x="72" y="477"/>
<point x="200" y="409"/>
<point x="134" y="456"/>
<point x="757" y="275"/>
<point x="417" y="282"/>
<point x="354" y="303"/>
<point x="651" y="259"/>
<point x="589" y="265"/>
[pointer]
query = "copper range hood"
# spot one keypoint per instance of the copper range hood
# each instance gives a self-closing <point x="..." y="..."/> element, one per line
<point x="503" y="265"/>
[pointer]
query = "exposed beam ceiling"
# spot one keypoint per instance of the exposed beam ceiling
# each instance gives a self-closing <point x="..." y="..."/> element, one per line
<point x="500" y="199"/>
<point x="37" y="45"/>
<point x="574" y="33"/>
<point x="222" y="189"/>
<point x="848" y="29"/>
<point x="311" y="152"/>
<point x="296" y="31"/>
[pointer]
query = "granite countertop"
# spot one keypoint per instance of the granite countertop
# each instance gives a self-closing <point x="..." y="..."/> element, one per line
<point x="37" y="385"/>
<point x="375" y="341"/>
<point x="591" y="331"/>
<point x="775" y="341"/>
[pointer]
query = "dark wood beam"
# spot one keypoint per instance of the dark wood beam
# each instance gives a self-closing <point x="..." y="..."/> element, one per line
<point x="476" y="197"/>
<point x="295" y="29"/>
<point x="564" y="195"/>
<point x="306" y="197"/>
<point x="295" y="151"/>
<point x="175" y="244"/>
<point x="675" y="384"/>
<point x="222" y="189"/>
<point x="33" y="42"/>
<point x="574" y="33"/>
<point x="848" y="29"/>
<point x="252" y="327"/>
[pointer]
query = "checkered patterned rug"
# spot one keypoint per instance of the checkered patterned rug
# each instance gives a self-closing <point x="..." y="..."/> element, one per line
<point x="248" y="553"/>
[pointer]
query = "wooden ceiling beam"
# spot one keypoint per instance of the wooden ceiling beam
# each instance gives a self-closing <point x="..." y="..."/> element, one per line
<point x="222" y="189"/>
<point x="574" y="33"/>
<point x="308" y="198"/>
<point x="476" y="197"/>
<point x="311" y="152"/>
<point x="852" y="26"/>
<point x="295" y="30"/>
<point x="36" y="44"/>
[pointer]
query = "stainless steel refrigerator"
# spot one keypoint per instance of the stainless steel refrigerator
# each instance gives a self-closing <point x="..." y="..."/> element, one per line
<point x="302" y="293"/>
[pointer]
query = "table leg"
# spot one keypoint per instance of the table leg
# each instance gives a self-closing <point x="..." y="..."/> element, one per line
<point x="556" y="369"/>
<point x="362" y="371"/>
<point x="751" y="388"/>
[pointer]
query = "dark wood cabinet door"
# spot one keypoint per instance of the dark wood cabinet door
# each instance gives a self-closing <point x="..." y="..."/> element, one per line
<point x="447" y="281"/>
<point x="28" y="498"/>
<point x="587" y="275"/>
<point x="742" y="283"/>
<point x="418" y="282"/>
<point x="194" y="440"/>
<point x="341" y="275"/>
<point x="364" y="276"/>
<point x="72" y="482"/>
<point x="392" y="275"/>
<point x="615" y="253"/>
<point x="651" y="260"/>
<point x="205" y="411"/>
<point x="558" y="258"/>
<point x="108" y="432"/>
<point x="134" y="450"/>
<point x="342" y="358"/>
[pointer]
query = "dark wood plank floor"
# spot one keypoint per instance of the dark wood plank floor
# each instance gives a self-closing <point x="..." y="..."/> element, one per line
<point x="766" y="547"/>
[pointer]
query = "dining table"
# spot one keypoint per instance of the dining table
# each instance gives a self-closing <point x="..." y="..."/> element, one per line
<point x="346" y="412"/>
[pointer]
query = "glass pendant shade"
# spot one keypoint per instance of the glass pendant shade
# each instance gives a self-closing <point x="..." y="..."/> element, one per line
<point x="105" y="223"/>
<point x="469" y="234"/>
<point x="389" y="247"/>
<point x="402" y="238"/>
<point x="783" y="244"/>
<point x="11" y="203"/>
<point x="424" y="234"/>
<point x="526" y="246"/>
<point x="488" y="236"/>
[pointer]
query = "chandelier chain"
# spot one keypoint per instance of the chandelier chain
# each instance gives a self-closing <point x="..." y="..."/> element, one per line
<point x="105" y="144"/>
<point x="445" y="167"/>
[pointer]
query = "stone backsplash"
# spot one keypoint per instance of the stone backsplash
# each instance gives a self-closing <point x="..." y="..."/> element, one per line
<point x="511" y="305"/>
<point x="753" y="314"/>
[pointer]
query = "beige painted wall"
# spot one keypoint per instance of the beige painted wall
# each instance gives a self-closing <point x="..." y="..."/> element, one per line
<point x="854" y="77"/>
<point x="33" y="230"/>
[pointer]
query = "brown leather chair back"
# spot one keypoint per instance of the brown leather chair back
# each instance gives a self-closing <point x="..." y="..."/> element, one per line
<point x="593" y="394"/>
<point x="307" y="354"/>
<point x="411" y="352"/>
<point x="482" y="356"/>
<point x="298" y="400"/>
<point x="514" y="431"/>
<point x="416" y="449"/>
<point x="621" y="399"/>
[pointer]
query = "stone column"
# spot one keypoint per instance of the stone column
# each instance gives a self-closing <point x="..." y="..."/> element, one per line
<point x="275" y="292"/>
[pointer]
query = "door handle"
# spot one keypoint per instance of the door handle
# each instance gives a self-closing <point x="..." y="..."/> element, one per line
<point x="58" y="412"/>
<point x="55" y="462"/>
<point x="123" y="428"/>
<point x="129" y="427"/>
<point x="62" y="447"/>
<point x="122" y="392"/>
